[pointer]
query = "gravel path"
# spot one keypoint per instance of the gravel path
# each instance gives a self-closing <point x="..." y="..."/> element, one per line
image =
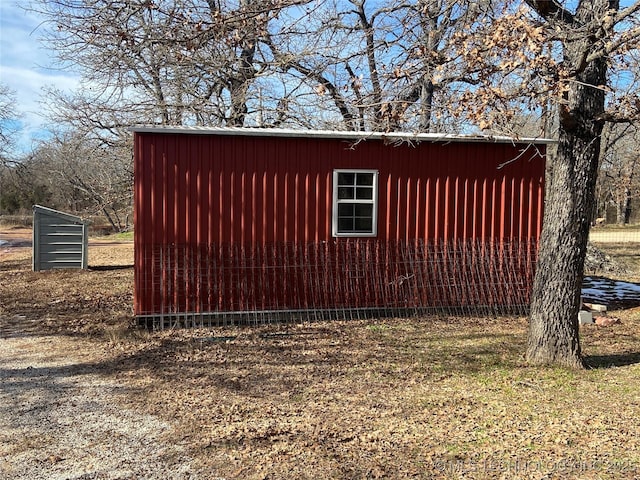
<point x="61" y="419"/>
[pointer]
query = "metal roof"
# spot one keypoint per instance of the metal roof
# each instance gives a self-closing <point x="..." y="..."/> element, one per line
<point x="39" y="209"/>
<point x="390" y="137"/>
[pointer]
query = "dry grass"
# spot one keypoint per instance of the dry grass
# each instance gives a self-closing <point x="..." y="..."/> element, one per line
<point x="419" y="398"/>
<point x="400" y="398"/>
<point x="69" y="302"/>
<point x="626" y="254"/>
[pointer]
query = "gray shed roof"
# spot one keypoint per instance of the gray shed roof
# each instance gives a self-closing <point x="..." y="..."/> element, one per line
<point x="391" y="137"/>
<point x="56" y="213"/>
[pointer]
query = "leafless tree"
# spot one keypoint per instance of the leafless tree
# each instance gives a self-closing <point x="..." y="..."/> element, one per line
<point x="619" y="183"/>
<point x="8" y="129"/>
<point x="166" y="62"/>
<point x="377" y="66"/>
<point x="21" y="187"/>
<point x="353" y="64"/>
<point x="85" y="175"/>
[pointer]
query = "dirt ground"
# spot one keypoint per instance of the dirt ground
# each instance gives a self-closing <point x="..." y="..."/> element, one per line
<point x="84" y="395"/>
<point x="62" y="414"/>
<point x="61" y="418"/>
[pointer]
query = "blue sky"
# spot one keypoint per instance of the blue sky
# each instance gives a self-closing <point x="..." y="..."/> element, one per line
<point x="26" y="67"/>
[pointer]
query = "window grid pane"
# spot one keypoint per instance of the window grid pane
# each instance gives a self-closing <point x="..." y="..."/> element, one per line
<point x="346" y="178"/>
<point x="355" y="200"/>
<point x="364" y="179"/>
<point x="345" y="193"/>
<point x="364" y="193"/>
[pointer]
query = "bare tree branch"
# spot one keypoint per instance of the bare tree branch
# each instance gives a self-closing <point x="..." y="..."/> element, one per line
<point x="551" y="10"/>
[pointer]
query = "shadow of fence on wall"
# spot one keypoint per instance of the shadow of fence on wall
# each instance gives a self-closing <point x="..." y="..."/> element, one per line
<point x="209" y="285"/>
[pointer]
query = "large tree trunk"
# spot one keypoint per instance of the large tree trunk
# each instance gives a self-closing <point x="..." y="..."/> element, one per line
<point x="239" y="86"/>
<point x="553" y="323"/>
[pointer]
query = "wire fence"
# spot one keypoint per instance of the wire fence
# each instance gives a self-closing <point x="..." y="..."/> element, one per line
<point x="615" y="235"/>
<point x="210" y="285"/>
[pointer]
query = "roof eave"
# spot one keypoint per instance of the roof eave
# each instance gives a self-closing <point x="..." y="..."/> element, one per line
<point x="390" y="137"/>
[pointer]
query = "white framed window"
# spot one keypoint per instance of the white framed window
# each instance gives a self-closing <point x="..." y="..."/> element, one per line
<point x="355" y="203"/>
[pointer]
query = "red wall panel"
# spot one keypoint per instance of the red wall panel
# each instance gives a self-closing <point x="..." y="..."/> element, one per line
<point x="196" y="191"/>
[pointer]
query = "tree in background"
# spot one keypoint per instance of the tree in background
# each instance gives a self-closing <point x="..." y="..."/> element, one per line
<point x="88" y="176"/>
<point x="619" y="184"/>
<point x="352" y="64"/>
<point x="8" y="117"/>
<point x="376" y="66"/>
<point x="21" y="186"/>
<point x="75" y="173"/>
<point x="189" y="62"/>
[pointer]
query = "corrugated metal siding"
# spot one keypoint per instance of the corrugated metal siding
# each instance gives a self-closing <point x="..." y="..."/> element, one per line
<point x="59" y="240"/>
<point x="244" y="192"/>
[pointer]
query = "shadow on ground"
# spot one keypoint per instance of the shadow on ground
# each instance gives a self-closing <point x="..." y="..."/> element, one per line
<point x="109" y="268"/>
<point x="609" y="361"/>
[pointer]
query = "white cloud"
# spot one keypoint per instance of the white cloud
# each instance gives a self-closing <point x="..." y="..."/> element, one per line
<point x="28" y="85"/>
<point x="26" y="67"/>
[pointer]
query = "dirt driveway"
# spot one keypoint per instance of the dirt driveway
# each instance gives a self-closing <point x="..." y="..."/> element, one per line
<point x="61" y="419"/>
<point x="63" y="414"/>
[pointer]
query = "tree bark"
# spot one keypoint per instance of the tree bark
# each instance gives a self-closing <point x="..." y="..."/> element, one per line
<point x="623" y="207"/>
<point x="239" y="85"/>
<point x="426" y="105"/>
<point x="553" y="323"/>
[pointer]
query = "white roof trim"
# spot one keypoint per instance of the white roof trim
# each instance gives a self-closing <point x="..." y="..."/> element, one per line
<point x="392" y="137"/>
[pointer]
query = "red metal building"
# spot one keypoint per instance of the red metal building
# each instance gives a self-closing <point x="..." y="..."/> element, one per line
<point x="252" y="224"/>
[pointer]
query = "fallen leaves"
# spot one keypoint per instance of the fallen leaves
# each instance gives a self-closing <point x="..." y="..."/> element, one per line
<point x="399" y="398"/>
<point x="603" y="321"/>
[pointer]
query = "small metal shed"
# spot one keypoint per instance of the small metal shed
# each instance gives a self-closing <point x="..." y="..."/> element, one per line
<point x="59" y="240"/>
